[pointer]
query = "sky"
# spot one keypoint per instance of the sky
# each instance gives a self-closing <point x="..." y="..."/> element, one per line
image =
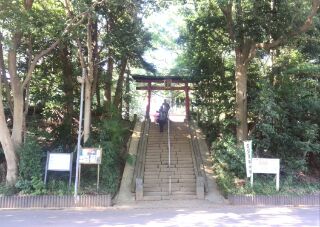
<point x="165" y="23"/>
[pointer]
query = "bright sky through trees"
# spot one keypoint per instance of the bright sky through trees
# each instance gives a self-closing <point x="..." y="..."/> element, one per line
<point x="164" y="26"/>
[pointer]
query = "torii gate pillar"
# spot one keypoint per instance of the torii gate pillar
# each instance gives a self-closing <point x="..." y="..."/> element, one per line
<point x="149" y="99"/>
<point x="187" y="104"/>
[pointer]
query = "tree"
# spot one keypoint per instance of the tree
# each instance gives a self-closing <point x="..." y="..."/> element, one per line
<point x="26" y="36"/>
<point x="260" y="25"/>
<point x="22" y="58"/>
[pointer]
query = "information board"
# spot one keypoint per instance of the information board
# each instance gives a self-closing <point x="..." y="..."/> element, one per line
<point x="266" y="165"/>
<point x="59" y="161"/>
<point x="90" y="156"/>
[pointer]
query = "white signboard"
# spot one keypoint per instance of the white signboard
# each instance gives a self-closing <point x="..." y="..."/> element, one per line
<point x="248" y="155"/>
<point x="90" y="156"/>
<point x="59" y="161"/>
<point x="266" y="165"/>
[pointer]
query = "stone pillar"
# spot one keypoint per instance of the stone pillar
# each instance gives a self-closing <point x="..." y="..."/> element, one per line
<point x="187" y="104"/>
<point x="149" y="100"/>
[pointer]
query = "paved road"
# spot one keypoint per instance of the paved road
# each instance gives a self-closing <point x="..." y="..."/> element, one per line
<point x="165" y="217"/>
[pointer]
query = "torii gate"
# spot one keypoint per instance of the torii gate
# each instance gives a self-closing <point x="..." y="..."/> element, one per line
<point x="166" y="82"/>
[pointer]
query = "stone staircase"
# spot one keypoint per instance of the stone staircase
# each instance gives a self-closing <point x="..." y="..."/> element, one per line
<point x="158" y="174"/>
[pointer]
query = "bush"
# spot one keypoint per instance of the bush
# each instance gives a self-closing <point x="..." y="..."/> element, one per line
<point x="30" y="167"/>
<point x="58" y="187"/>
<point x="229" y="163"/>
<point x="228" y="156"/>
<point x="111" y="137"/>
<point x="7" y="190"/>
<point x="288" y="126"/>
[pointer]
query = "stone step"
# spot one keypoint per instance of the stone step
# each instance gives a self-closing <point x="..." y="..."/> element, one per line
<point x="167" y="193"/>
<point x="165" y="168"/>
<point x="174" y="182"/>
<point x="174" y="187"/>
<point x="173" y="176"/>
<point x="165" y="161"/>
<point x="174" y="163"/>
<point x="151" y="170"/>
<point x="157" y="174"/>
<point x="173" y="158"/>
<point x="168" y="197"/>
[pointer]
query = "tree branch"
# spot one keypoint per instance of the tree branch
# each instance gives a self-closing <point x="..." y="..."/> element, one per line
<point x="81" y="57"/>
<point x="3" y="76"/>
<point x="73" y="23"/>
<point x="307" y="24"/>
<point x="90" y="51"/>
<point x="305" y="27"/>
<point x="251" y="52"/>
<point x="35" y="61"/>
<point x="227" y="12"/>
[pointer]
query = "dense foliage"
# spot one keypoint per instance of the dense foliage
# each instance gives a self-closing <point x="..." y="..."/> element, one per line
<point x="282" y="88"/>
<point x="43" y="49"/>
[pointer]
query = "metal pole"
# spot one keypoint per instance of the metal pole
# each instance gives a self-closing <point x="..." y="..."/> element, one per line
<point x="169" y="150"/>
<point x="81" y="80"/>
<point x="169" y="147"/>
<point x="98" y="177"/>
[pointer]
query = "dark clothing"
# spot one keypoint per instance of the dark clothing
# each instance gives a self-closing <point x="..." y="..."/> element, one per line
<point x="161" y="124"/>
<point x="162" y="118"/>
<point x="163" y="115"/>
<point x="166" y="107"/>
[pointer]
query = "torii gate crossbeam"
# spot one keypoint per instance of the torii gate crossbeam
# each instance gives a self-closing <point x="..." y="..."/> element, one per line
<point x="167" y="81"/>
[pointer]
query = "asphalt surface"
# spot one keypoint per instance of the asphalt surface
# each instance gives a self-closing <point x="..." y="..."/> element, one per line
<point x="164" y="217"/>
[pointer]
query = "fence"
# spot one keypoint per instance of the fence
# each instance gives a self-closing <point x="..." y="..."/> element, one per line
<point x="53" y="201"/>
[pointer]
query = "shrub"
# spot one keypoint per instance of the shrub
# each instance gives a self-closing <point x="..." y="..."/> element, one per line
<point x="229" y="162"/>
<point x="228" y="156"/>
<point x="30" y="167"/>
<point x="110" y="136"/>
<point x="288" y="126"/>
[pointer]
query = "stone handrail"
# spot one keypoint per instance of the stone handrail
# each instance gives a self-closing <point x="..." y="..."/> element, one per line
<point x="202" y="184"/>
<point x="137" y="182"/>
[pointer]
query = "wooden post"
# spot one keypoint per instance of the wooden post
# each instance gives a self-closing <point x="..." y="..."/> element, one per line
<point x="149" y="99"/>
<point x="186" y="89"/>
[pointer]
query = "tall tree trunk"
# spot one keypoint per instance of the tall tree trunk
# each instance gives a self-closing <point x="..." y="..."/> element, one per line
<point x="127" y="97"/>
<point x="67" y="86"/>
<point x="87" y="110"/>
<point x="88" y="83"/>
<point x="241" y="97"/>
<point x="8" y="147"/>
<point x="17" y="93"/>
<point x="97" y="88"/>
<point x="4" y="77"/>
<point x="108" y="83"/>
<point x="119" y="88"/>
<point x="5" y="138"/>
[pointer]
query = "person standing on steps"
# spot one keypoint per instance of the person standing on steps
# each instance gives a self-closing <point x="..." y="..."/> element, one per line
<point x="166" y="106"/>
